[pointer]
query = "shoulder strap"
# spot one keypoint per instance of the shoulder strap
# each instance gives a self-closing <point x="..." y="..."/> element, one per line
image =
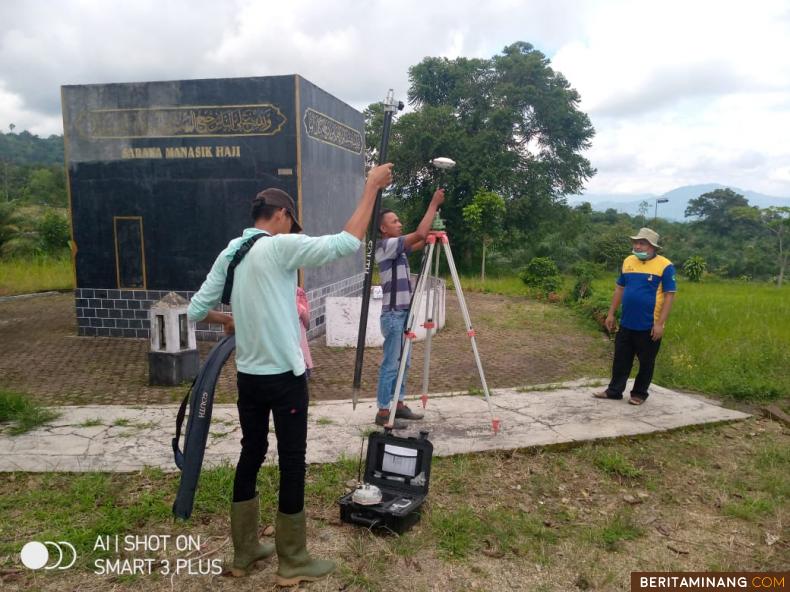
<point x="240" y="254"/>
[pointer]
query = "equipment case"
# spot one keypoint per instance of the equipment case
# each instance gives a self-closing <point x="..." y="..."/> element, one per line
<point x="401" y="469"/>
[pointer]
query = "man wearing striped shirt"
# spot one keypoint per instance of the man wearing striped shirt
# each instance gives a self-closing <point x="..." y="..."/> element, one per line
<point x="391" y="255"/>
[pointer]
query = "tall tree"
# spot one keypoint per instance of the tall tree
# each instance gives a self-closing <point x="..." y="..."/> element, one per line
<point x="718" y="210"/>
<point x="510" y="122"/>
<point x="776" y="220"/>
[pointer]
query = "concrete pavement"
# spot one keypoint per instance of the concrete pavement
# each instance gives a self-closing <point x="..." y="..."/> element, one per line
<point x="119" y="439"/>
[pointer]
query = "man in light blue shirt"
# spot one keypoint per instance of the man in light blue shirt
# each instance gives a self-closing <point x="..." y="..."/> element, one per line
<point x="271" y="369"/>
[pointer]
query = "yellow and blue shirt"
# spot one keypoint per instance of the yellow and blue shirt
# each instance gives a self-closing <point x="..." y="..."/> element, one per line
<point x="645" y="284"/>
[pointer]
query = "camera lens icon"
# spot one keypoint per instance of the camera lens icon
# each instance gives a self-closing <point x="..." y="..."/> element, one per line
<point x="35" y="555"/>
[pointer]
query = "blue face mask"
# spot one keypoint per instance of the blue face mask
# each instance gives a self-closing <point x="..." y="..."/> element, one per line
<point x="640" y="255"/>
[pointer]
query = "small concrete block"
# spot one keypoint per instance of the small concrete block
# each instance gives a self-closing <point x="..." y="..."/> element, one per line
<point x="172" y="369"/>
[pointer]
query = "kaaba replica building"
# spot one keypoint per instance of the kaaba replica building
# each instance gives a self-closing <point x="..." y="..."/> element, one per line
<point x="161" y="175"/>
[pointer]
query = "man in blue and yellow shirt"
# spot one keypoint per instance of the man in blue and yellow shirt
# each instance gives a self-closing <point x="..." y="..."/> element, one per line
<point x="646" y="287"/>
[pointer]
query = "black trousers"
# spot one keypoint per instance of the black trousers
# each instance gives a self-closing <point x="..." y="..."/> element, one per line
<point x="628" y="344"/>
<point x="285" y="397"/>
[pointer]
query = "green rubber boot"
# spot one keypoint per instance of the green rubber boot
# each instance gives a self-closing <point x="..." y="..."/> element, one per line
<point x="244" y="518"/>
<point x="296" y="565"/>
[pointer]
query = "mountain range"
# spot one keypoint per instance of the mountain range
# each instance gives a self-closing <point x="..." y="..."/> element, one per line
<point x="678" y="198"/>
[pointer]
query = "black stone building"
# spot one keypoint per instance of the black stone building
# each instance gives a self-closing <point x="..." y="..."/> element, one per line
<point x="161" y="175"/>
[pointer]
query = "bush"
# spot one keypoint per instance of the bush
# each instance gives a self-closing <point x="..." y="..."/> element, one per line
<point x="694" y="268"/>
<point x="53" y="232"/>
<point x="585" y="273"/>
<point x="612" y="247"/>
<point x="542" y="273"/>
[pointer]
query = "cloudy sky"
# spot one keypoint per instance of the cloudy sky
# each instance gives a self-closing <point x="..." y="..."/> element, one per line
<point x="679" y="91"/>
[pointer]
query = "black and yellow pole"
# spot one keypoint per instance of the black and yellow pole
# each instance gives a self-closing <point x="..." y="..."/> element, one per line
<point x="390" y="107"/>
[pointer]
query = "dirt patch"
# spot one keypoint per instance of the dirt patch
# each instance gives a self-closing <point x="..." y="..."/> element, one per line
<point x="521" y="342"/>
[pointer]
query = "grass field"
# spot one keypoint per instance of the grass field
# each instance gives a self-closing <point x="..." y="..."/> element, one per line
<point x="36" y="274"/>
<point x="544" y="520"/>
<point x="728" y="338"/>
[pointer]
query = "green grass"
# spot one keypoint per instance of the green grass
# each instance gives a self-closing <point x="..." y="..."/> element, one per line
<point x="324" y="482"/>
<point x="614" y="463"/>
<point x="457" y="532"/>
<point x="35" y="274"/>
<point x="507" y="285"/>
<point x="763" y="490"/>
<point x="500" y="531"/>
<point x="723" y="337"/>
<point x="91" y="423"/>
<point x="620" y="527"/>
<point x="22" y="414"/>
<point x="730" y="338"/>
<point x="567" y="515"/>
<point x="748" y="508"/>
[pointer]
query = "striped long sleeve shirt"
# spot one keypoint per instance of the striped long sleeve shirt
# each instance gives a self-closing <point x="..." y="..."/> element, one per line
<point x="391" y="256"/>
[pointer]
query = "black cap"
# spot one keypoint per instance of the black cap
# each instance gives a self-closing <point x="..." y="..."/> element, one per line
<point x="280" y="199"/>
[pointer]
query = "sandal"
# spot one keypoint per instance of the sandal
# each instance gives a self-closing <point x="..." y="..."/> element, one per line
<point x="636" y="401"/>
<point x="605" y="395"/>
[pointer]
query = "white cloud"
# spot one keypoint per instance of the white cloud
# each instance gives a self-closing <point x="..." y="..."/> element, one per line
<point x="14" y="112"/>
<point x="691" y="92"/>
<point x="352" y="48"/>
<point x="679" y="92"/>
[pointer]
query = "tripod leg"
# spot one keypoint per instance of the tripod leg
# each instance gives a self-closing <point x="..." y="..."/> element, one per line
<point x="431" y="306"/>
<point x="495" y="422"/>
<point x="409" y="333"/>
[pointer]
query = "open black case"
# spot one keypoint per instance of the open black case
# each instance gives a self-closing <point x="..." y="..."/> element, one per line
<point x="401" y="469"/>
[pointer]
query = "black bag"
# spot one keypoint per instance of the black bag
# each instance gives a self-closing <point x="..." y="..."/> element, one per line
<point x="201" y="403"/>
<point x="401" y="469"/>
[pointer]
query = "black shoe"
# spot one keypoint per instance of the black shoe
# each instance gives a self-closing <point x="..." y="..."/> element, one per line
<point x="406" y="413"/>
<point x="382" y="420"/>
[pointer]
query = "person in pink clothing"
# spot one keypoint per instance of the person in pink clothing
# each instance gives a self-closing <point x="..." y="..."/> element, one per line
<point x="303" y="308"/>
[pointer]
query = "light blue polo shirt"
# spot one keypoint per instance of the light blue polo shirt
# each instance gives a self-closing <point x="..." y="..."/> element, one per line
<point x="264" y="295"/>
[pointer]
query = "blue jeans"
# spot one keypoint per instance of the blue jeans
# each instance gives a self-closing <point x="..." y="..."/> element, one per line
<point x="392" y="326"/>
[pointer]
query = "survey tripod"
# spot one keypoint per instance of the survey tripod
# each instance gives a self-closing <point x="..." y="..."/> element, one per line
<point x="425" y="294"/>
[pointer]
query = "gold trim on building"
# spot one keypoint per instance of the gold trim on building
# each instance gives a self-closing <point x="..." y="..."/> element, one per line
<point x="322" y="128"/>
<point x="189" y="121"/>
